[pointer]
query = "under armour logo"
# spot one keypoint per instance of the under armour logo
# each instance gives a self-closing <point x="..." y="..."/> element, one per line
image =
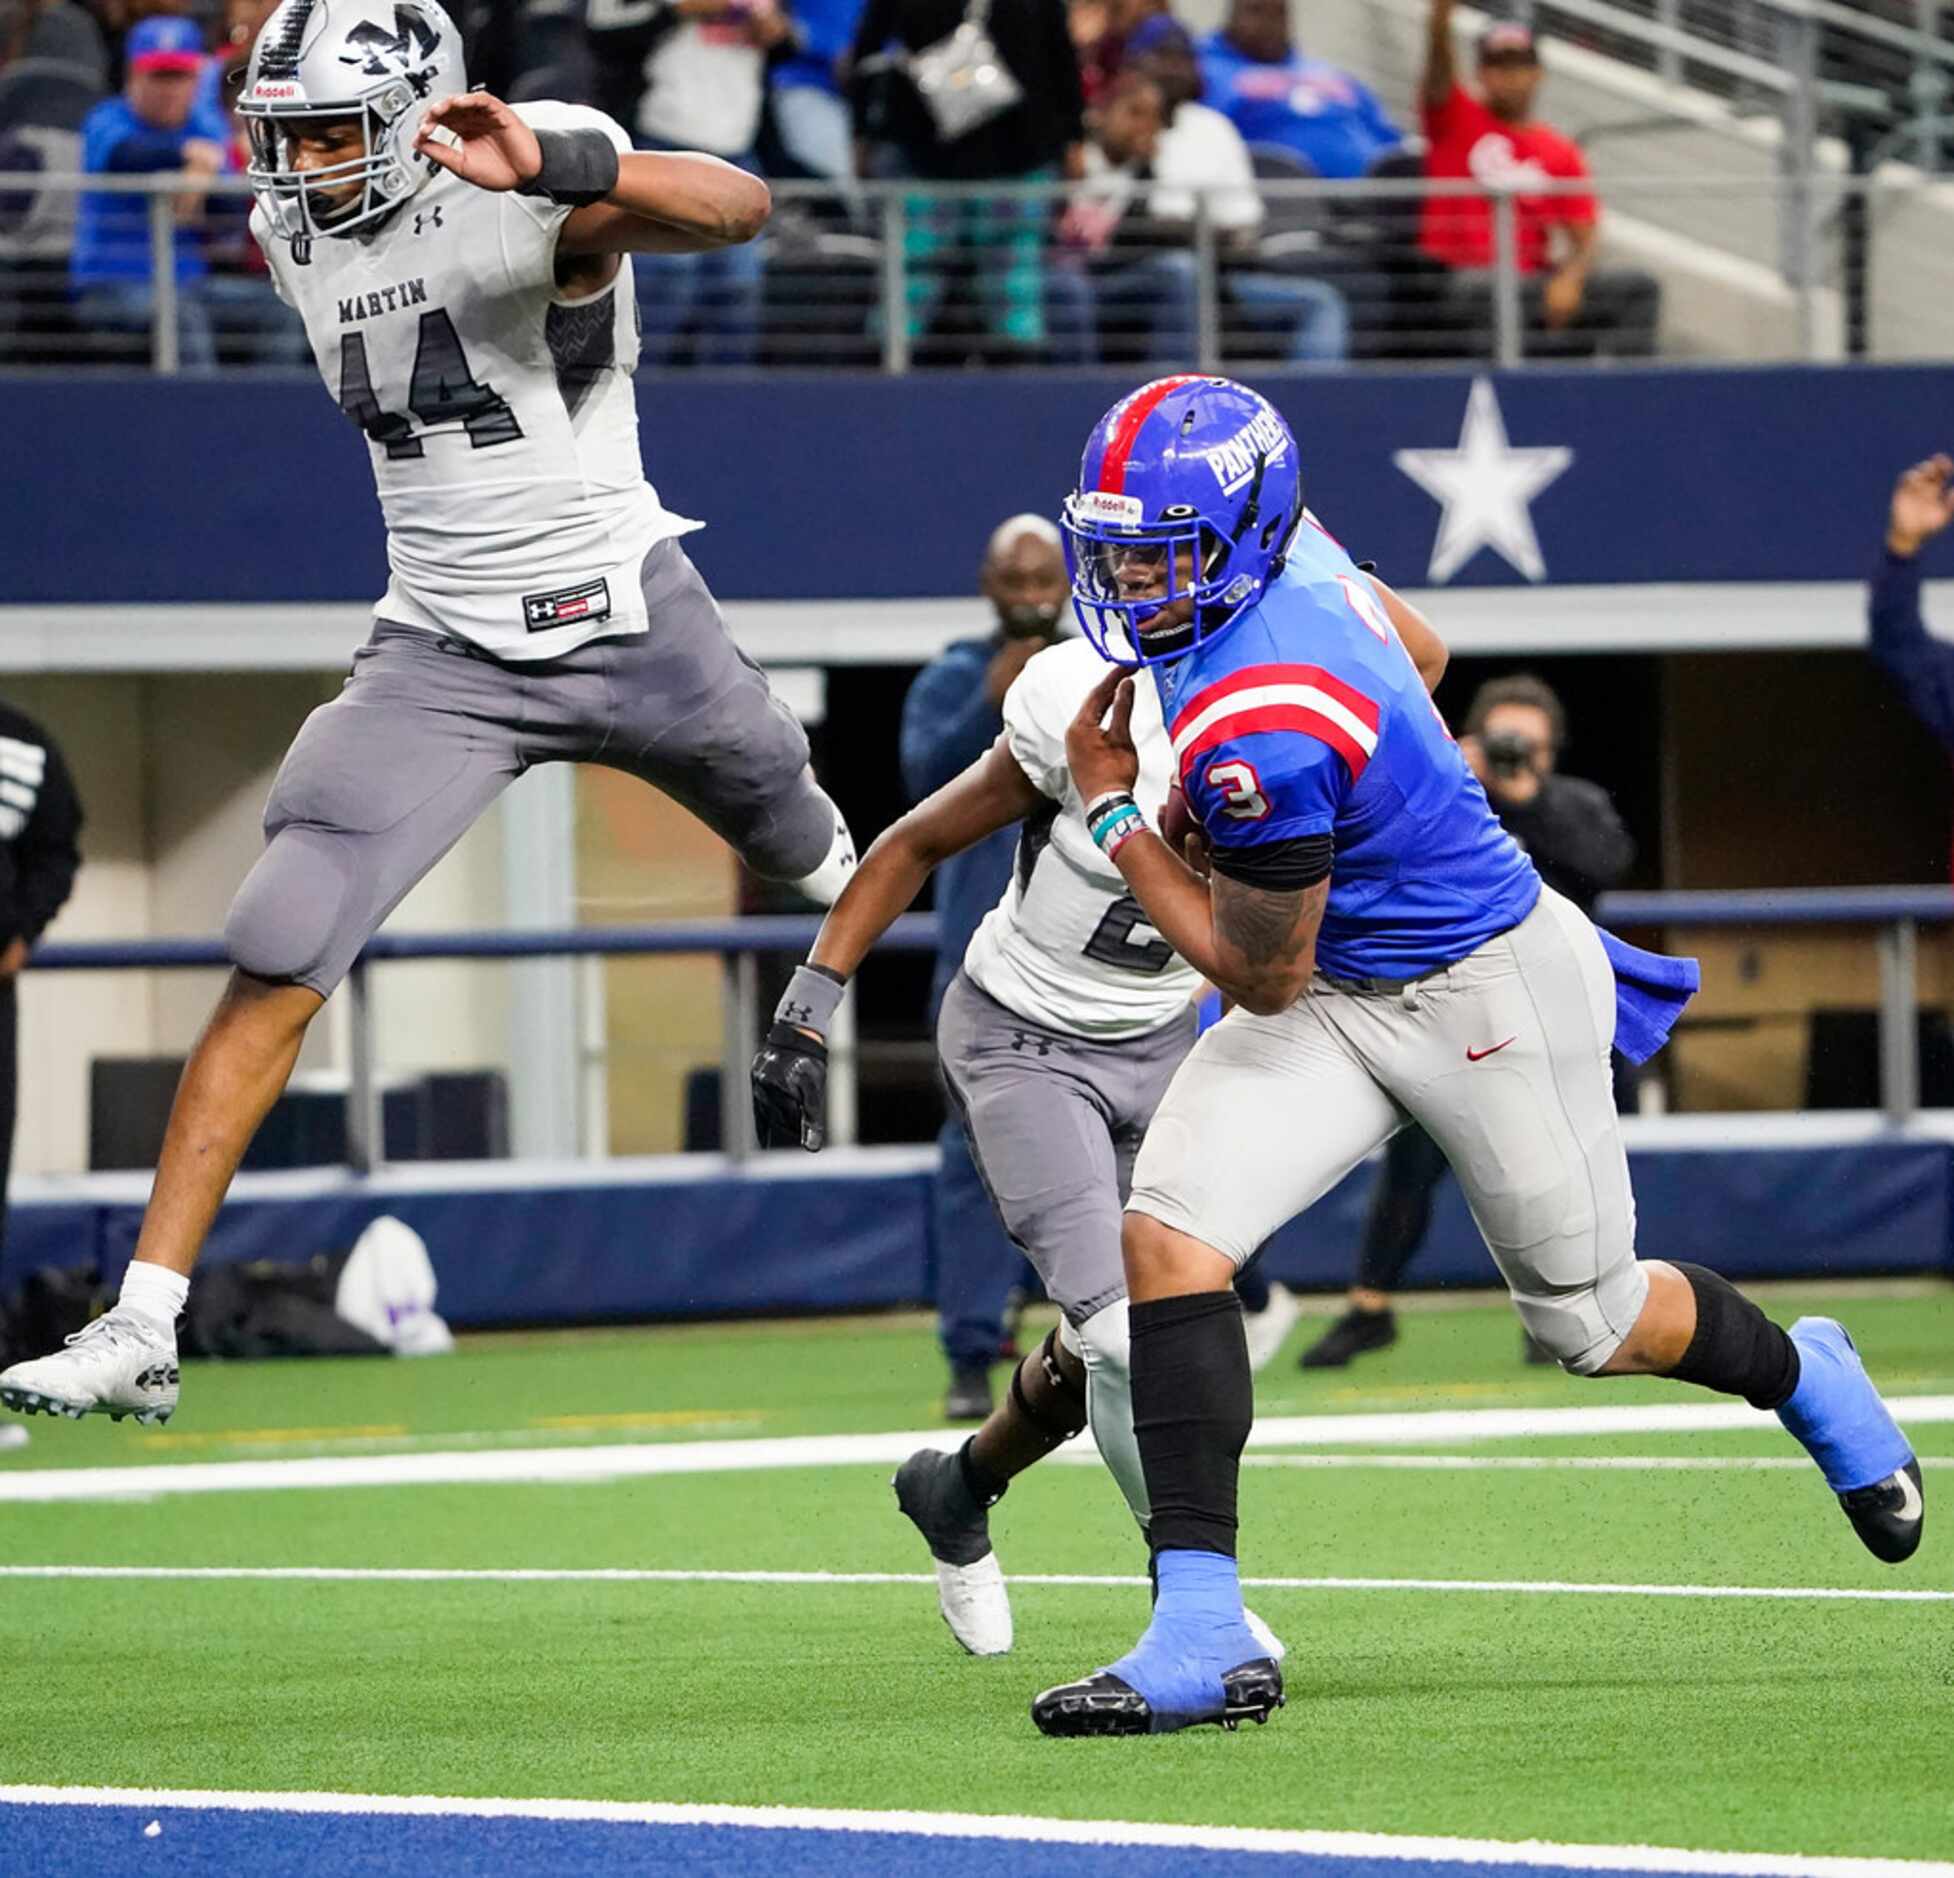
<point x="802" y="1014"/>
<point x="427" y="218"/>
<point x="1024" y="1040"/>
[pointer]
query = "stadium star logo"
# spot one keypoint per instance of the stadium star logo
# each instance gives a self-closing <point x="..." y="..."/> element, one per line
<point x="1485" y="489"/>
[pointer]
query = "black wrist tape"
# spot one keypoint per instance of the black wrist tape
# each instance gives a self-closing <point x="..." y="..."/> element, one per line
<point x="1736" y="1350"/>
<point x="579" y="167"/>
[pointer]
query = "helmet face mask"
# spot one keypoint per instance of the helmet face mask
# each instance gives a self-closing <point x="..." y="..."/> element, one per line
<point x="321" y="63"/>
<point x="1188" y="499"/>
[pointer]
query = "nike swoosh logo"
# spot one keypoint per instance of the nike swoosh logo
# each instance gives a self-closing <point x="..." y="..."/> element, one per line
<point x="1477" y="1056"/>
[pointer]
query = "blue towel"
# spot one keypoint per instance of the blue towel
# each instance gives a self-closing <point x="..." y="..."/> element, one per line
<point x="1650" y="992"/>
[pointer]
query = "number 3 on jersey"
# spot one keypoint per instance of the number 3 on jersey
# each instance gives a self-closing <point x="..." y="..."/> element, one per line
<point x="442" y="392"/>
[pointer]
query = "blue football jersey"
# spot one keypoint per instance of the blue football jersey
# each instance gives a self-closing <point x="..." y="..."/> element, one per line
<point x="1308" y="718"/>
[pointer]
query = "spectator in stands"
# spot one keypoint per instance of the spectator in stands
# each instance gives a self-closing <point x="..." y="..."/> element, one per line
<point x="1276" y="94"/>
<point x="1921" y="665"/>
<point x="691" y="75"/>
<point x="1201" y="152"/>
<point x="1132" y="264"/>
<point x="1125" y="285"/>
<point x="953" y="714"/>
<point x="811" y="118"/>
<point x="1515" y="730"/>
<point x="1569" y="305"/>
<point x="58" y="31"/>
<point x="40" y="825"/>
<point x="1031" y="139"/>
<point x="157" y="124"/>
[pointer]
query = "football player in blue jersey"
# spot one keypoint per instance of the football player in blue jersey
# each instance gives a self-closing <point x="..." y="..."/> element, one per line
<point x="1391" y="955"/>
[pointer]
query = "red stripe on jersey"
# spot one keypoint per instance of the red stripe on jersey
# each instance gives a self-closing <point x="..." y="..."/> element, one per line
<point x="1253" y="677"/>
<point x="1296" y="717"/>
<point x="1112" y="466"/>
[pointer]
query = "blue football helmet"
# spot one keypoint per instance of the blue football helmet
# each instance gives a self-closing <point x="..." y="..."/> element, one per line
<point x="1189" y="496"/>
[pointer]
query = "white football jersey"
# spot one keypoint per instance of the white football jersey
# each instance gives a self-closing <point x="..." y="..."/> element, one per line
<point x="1068" y="947"/>
<point x="499" y="415"/>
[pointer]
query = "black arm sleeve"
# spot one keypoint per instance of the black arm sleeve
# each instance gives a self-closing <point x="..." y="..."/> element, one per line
<point x="47" y="853"/>
<point x="1279" y="866"/>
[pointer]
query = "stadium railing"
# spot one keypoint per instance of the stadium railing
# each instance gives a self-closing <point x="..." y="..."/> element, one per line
<point x="1895" y="913"/>
<point x="1805" y="265"/>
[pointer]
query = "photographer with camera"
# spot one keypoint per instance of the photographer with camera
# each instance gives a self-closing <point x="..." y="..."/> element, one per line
<point x="1515" y="731"/>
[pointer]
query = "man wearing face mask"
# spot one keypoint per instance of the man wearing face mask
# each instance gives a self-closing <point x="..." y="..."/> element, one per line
<point x="952" y="715"/>
<point x="1515" y="729"/>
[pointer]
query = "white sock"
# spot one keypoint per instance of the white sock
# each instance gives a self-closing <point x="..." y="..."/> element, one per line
<point x="824" y="885"/>
<point x="154" y="1290"/>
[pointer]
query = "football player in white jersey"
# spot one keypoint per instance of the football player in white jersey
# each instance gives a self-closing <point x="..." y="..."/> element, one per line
<point x="462" y="267"/>
<point x="1056" y="1041"/>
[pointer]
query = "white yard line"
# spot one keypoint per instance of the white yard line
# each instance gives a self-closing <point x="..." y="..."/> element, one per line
<point x="630" y="1575"/>
<point x="1016" y="1828"/>
<point x="1579" y="1463"/>
<point x="629" y="1460"/>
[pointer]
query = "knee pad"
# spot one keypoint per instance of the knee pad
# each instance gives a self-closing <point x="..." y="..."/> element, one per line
<point x="1578" y="1328"/>
<point x="1048" y="1395"/>
<point x="805" y="842"/>
<point x="282" y="924"/>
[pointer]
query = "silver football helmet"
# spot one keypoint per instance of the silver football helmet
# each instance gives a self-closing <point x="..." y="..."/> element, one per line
<point x="379" y="61"/>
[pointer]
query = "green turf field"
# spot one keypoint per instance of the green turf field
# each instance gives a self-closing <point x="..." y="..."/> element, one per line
<point x="1788" y="1724"/>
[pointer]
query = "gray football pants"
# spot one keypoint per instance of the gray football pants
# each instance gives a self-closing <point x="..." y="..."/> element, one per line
<point x="1055" y="1124"/>
<point x="1502" y="1058"/>
<point x="428" y="731"/>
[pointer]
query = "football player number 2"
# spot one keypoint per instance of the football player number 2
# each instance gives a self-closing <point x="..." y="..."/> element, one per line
<point x="442" y="392"/>
<point x="1124" y="938"/>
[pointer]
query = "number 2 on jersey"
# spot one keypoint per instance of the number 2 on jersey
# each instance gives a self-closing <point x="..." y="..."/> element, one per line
<point x="442" y="392"/>
<point x="1125" y="938"/>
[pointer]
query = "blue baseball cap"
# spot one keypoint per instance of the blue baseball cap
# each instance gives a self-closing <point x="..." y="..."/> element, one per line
<point x="165" y="42"/>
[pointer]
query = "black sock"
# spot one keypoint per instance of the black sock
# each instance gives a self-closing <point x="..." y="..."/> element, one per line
<point x="1193" y="1402"/>
<point x="1736" y="1350"/>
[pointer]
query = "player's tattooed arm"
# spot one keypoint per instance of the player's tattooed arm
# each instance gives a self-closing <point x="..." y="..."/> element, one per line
<point x="991" y="794"/>
<point x="1266" y="941"/>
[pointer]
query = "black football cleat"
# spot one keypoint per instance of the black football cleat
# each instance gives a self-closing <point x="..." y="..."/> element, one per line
<point x="1352" y="1335"/>
<point x="1104" y="1705"/>
<point x="1890" y="1515"/>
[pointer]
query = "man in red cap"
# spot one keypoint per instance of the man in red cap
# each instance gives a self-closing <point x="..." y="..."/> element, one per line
<point x="156" y="124"/>
<point x="1494" y="139"/>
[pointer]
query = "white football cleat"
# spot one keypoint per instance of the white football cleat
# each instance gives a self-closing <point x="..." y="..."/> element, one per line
<point x="1268" y="1329"/>
<point x="1273" y="1646"/>
<point x="124" y="1363"/>
<point x="975" y="1605"/>
<point x="932" y="1493"/>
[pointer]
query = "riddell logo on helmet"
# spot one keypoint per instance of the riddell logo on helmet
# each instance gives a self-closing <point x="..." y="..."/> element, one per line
<point x="1233" y="462"/>
<point x="1102" y="505"/>
<point x="281" y="93"/>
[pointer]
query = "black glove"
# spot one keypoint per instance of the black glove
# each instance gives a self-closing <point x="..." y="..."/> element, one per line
<point x="790" y="1089"/>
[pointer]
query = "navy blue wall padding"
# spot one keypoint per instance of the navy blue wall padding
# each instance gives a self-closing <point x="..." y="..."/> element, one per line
<point x="845" y="486"/>
<point x="717" y="1244"/>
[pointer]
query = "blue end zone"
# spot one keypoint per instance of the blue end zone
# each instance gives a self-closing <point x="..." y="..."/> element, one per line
<point x="108" y="1842"/>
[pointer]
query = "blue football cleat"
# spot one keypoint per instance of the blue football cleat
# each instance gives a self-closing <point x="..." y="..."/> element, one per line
<point x="1837" y="1414"/>
<point x="1198" y="1662"/>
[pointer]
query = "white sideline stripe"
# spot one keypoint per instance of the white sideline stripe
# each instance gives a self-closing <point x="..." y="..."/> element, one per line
<point x="1639" y="1858"/>
<point x="651" y="1575"/>
<point x="631" y="1460"/>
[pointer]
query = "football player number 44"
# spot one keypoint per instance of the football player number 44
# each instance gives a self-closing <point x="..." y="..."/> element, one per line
<point x="442" y="393"/>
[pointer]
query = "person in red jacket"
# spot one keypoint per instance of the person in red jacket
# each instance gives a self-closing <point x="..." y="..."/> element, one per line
<point x="1568" y="305"/>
